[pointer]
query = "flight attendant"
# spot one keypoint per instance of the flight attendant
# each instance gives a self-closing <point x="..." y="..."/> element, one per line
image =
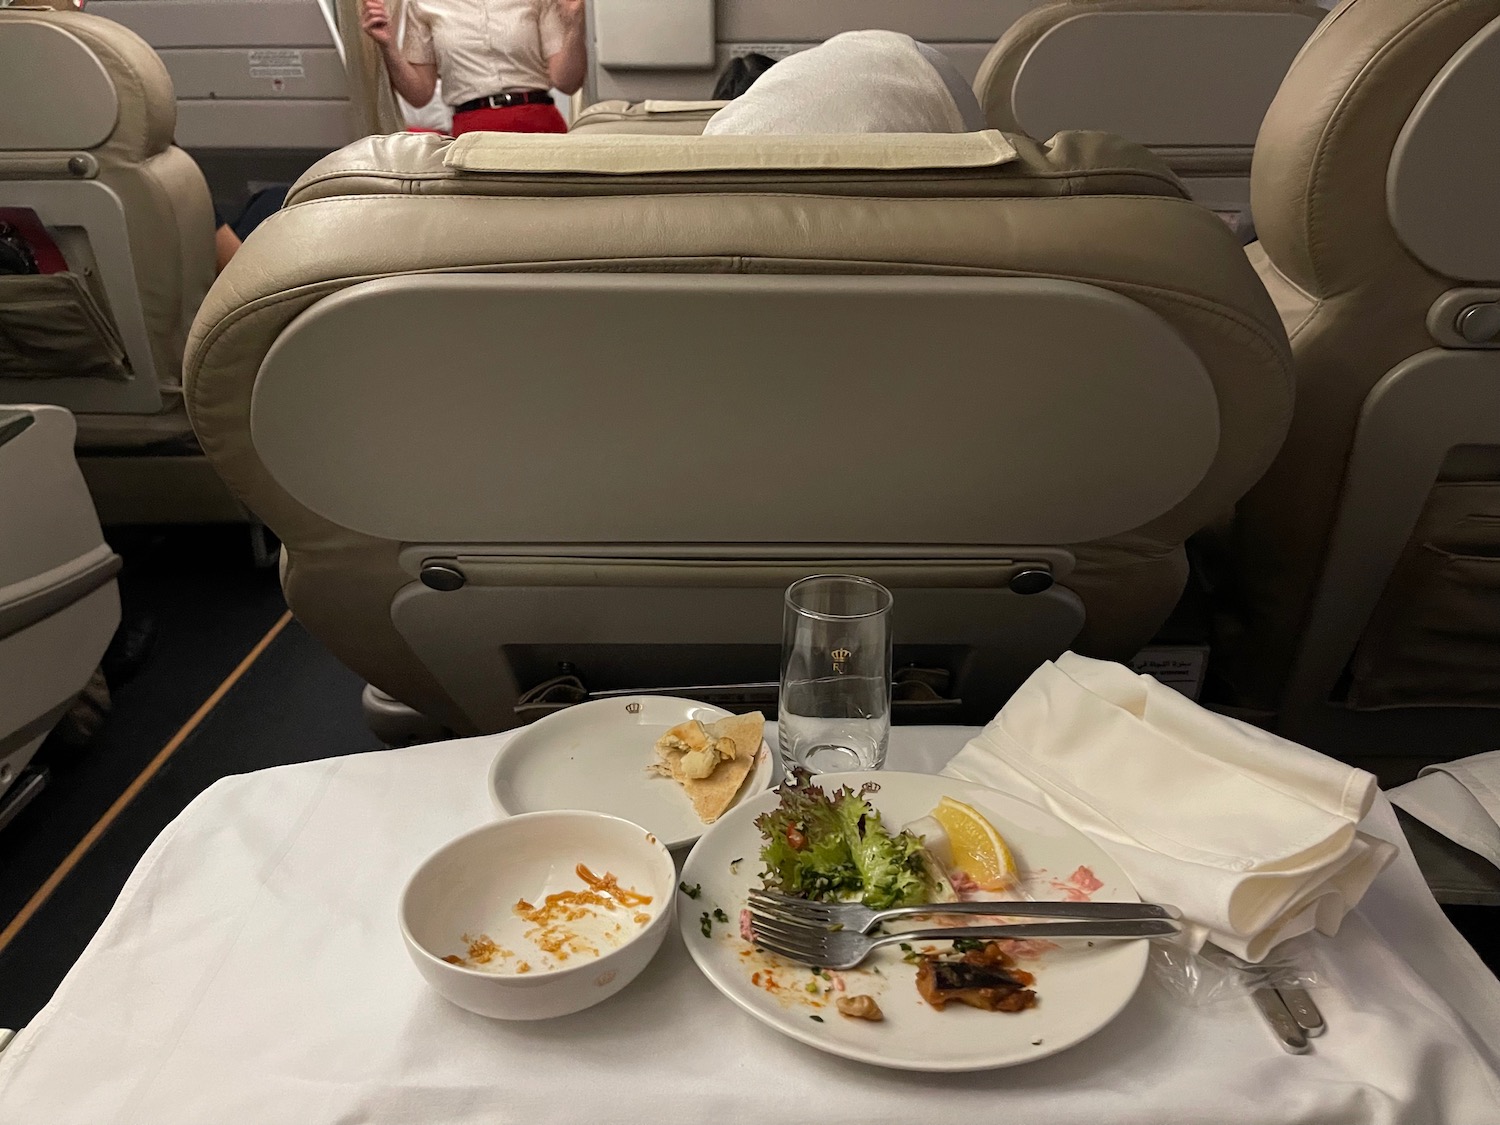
<point x="497" y="58"/>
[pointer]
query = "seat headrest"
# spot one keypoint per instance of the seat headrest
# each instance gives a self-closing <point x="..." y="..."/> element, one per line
<point x="1443" y="187"/>
<point x="628" y="155"/>
<point x="1325" y="151"/>
<point x="950" y="165"/>
<point x="79" y="83"/>
<point x="1198" y="74"/>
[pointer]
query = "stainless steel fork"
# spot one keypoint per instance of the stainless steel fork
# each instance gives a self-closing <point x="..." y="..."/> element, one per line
<point x="861" y="919"/>
<point x="844" y="949"/>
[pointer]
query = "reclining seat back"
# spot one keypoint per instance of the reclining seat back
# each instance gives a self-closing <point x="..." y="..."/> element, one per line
<point x="660" y="118"/>
<point x="514" y="402"/>
<point x="1189" y="80"/>
<point x="1377" y="202"/>
<point x="59" y="603"/>
<point x="86" y="143"/>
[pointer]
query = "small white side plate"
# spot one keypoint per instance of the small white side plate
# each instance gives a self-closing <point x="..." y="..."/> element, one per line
<point x="594" y="756"/>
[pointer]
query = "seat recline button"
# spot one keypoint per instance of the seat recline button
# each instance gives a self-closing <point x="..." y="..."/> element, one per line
<point x="1031" y="582"/>
<point x="1480" y="324"/>
<point x="443" y="576"/>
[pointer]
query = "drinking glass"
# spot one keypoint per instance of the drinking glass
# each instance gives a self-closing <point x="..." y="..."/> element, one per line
<point x="835" y="674"/>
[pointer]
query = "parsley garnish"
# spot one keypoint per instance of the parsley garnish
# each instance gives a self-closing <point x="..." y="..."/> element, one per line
<point x="692" y="892"/>
<point x="816" y="1019"/>
<point x="720" y="916"/>
<point x="706" y="925"/>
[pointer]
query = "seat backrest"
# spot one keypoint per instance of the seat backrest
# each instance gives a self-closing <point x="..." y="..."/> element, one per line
<point x="1379" y="221"/>
<point x="677" y="48"/>
<point x="58" y="601"/>
<point x="86" y="143"/>
<point x="677" y="372"/>
<point x="1364" y="160"/>
<point x="1189" y="80"/>
<point x="662" y="118"/>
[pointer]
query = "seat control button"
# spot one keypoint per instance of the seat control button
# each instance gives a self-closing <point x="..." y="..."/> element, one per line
<point x="1480" y="324"/>
<point x="1031" y="582"/>
<point x="443" y="576"/>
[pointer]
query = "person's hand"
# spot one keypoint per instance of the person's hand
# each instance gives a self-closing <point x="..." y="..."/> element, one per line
<point x="571" y="11"/>
<point x="375" y="21"/>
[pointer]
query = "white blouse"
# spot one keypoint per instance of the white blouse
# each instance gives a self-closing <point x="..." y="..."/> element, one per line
<point x="483" y="47"/>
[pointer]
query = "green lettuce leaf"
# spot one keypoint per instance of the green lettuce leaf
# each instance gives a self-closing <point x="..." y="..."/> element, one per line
<point x="805" y="853"/>
<point x="832" y="846"/>
<point x="892" y="869"/>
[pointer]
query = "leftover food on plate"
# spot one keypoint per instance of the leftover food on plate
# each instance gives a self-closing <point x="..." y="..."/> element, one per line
<point x="566" y="924"/>
<point x="971" y="847"/>
<point x="979" y="1010"/>
<point x="984" y="978"/>
<point x="711" y="762"/>
<point x="859" y="1008"/>
<point x="822" y="845"/>
<point x="833" y="846"/>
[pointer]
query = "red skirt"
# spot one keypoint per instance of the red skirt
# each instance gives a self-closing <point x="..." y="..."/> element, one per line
<point x="510" y="119"/>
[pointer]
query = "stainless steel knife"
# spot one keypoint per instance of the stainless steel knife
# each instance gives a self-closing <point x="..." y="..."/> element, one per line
<point x="1304" y="1011"/>
<point x="1282" y="1023"/>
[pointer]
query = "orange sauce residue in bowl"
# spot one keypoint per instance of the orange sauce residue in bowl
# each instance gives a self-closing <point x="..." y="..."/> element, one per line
<point x="554" y="930"/>
<point x="610" y="885"/>
<point x="551" y="920"/>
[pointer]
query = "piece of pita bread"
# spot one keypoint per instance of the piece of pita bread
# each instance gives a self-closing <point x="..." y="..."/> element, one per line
<point x="712" y="795"/>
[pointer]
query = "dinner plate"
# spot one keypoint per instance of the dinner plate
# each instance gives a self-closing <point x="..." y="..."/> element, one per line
<point x="1079" y="987"/>
<point x="595" y="756"/>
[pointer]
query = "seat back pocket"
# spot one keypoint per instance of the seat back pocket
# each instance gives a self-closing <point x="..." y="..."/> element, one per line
<point x="51" y="327"/>
<point x="1434" y="639"/>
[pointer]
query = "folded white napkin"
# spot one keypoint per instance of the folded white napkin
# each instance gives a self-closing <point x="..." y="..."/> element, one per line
<point x="1251" y="836"/>
<point x="1459" y="799"/>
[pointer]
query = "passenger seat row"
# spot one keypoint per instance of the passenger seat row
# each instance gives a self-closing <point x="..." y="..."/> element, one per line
<point x="1008" y="378"/>
<point x="86" y="144"/>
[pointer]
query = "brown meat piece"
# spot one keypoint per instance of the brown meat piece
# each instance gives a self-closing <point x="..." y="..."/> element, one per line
<point x="983" y="978"/>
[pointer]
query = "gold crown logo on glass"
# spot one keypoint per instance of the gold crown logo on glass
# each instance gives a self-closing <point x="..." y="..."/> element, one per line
<point x="840" y="659"/>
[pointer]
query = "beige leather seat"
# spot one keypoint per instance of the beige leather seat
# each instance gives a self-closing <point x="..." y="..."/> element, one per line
<point x="661" y="118"/>
<point x="86" y="143"/>
<point x="511" y="402"/>
<point x="58" y="602"/>
<point x="1189" y="80"/>
<point x="1377" y="200"/>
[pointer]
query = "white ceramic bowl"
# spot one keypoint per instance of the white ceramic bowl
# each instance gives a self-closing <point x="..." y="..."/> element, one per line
<point x="471" y="886"/>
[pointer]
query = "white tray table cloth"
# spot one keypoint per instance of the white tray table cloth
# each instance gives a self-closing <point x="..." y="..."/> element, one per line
<point x="251" y="973"/>
<point x="1461" y="800"/>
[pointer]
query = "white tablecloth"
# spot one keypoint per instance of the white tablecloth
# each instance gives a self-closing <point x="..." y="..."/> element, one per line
<point x="252" y="972"/>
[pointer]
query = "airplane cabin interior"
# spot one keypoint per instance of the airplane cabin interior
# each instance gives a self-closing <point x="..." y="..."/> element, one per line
<point x="339" y="433"/>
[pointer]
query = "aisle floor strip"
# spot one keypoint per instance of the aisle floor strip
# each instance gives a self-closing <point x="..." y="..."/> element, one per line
<point x="70" y="861"/>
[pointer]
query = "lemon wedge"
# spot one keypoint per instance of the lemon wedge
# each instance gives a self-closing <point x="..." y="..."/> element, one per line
<point x="977" y="849"/>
